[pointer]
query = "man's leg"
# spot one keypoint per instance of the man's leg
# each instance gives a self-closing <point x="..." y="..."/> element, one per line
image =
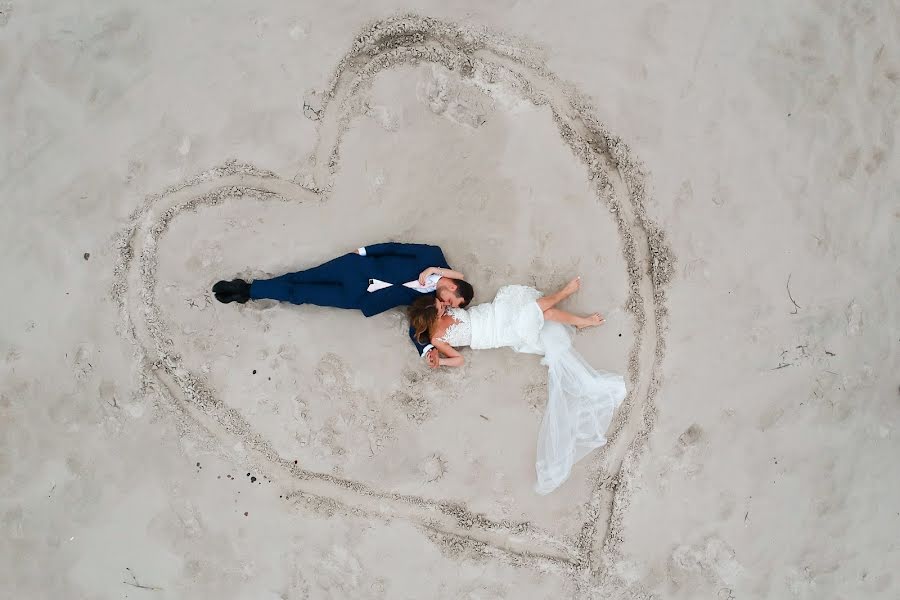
<point x="291" y="287"/>
<point x="284" y="289"/>
<point x="324" y="285"/>
<point x="333" y="271"/>
<point x="316" y="283"/>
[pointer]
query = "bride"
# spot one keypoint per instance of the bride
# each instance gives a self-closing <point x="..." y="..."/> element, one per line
<point x="581" y="400"/>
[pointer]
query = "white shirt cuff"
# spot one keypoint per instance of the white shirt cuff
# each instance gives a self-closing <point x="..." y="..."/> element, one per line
<point x="362" y="251"/>
<point x="426" y="349"/>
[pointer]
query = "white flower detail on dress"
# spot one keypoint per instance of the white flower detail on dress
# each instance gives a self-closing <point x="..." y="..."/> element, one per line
<point x="460" y="332"/>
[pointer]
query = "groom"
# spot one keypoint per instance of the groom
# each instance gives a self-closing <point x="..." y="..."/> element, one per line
<point x="373" y="279"/>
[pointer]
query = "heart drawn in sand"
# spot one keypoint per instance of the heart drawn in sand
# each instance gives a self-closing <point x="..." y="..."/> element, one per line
<point x="618" y="182"/>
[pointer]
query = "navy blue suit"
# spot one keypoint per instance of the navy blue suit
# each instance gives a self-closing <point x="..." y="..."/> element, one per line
<point x="343" y="281"/>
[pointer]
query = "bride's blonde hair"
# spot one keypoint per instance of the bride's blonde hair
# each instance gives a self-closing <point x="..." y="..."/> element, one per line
<point x="422" y="315"/>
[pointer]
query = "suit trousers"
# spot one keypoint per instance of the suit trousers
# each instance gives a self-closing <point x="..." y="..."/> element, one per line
<point x="338" y="283"/>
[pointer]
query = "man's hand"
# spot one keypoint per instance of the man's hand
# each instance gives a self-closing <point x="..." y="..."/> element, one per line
<point x="433" y="358"/>
<point x="425" y="274"/>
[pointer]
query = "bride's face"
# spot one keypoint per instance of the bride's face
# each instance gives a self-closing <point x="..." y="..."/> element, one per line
<point x="440" y="306"/>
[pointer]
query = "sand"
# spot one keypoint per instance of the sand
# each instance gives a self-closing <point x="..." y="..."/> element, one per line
<point x="724" y="178"/>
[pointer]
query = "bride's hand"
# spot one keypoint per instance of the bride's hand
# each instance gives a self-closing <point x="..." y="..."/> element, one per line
<point x="448" y="355"/>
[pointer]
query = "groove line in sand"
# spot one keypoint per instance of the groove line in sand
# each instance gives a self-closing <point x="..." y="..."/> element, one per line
<point x="487" y="59"/>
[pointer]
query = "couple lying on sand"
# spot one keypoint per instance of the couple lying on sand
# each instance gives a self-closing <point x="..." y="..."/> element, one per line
<point x="383" y="276"/>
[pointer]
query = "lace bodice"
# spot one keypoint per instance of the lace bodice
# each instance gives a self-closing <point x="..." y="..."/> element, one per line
<point x="512" y="320"/>
<point x="460" y="332"/>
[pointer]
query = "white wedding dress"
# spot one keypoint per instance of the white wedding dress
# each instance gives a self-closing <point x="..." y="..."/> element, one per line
<point x="581" y="400"/>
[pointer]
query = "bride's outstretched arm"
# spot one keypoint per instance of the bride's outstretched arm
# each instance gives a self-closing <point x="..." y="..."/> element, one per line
<point x="450" y="357"/>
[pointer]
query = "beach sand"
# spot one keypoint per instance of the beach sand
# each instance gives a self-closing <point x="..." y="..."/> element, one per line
<point x="724" y="178"/>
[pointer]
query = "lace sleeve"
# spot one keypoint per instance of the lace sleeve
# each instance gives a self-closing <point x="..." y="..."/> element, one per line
<point x="448" y="334"/>
<point x="459" y="333"/>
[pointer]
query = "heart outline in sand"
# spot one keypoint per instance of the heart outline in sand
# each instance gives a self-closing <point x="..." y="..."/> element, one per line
<point x="618" y="181"/>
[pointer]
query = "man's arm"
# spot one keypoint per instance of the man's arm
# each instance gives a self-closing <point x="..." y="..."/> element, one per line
<point x="421" y="348"/>
<point x="438" y="260"/>
<point x="448" y="273"/>
<point x="374" y="303"/>
<point x="396" y="249"/>
<point x="426" y="253"/>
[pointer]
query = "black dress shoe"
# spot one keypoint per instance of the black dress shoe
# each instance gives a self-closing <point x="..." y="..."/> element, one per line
<point x="227" y="287"/>
<point x="236" y="290"/>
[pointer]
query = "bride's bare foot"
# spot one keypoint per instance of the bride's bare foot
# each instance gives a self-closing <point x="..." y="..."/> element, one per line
<point x="572" y="287"/>
<point x="591" y="321"/>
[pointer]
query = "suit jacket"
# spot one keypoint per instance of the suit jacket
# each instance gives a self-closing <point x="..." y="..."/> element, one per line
<point x="398" y="263"/>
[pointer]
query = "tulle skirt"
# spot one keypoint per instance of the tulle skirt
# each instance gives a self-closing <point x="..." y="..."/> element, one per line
<point x="579" y="408"/>
<point x="581" y="400"/>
